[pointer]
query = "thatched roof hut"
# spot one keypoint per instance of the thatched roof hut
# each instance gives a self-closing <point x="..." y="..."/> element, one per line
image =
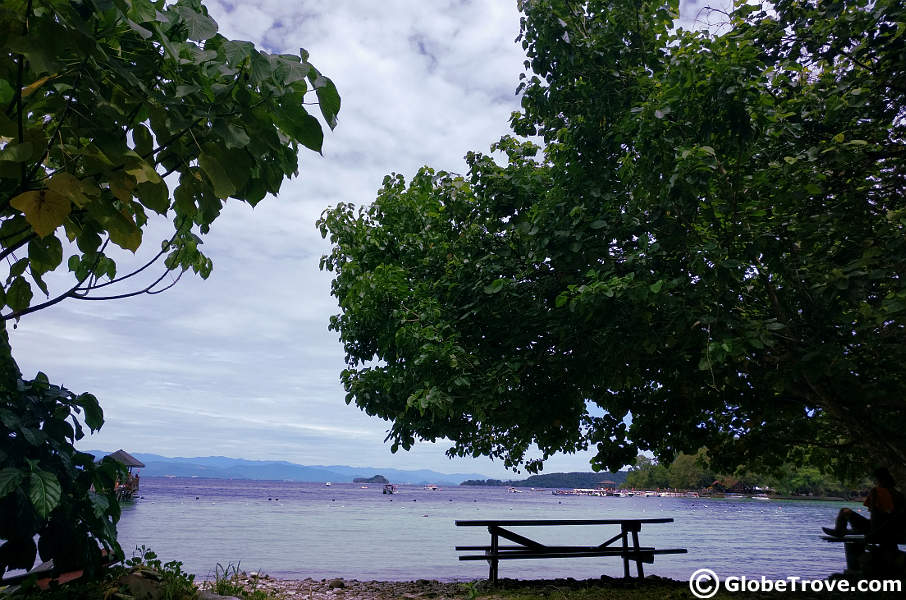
<point x="127" y="459"/>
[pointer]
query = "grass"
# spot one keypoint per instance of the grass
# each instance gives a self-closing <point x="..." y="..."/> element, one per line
<point x="230" y="581"/>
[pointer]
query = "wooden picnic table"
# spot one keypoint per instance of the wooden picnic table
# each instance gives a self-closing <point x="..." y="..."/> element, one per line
<point x="524" y="547"/>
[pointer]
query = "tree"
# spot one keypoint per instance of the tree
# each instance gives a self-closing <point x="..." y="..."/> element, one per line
<point x="646" y="474"/>
<point x="116" y="116"/>
<point x="709" y="252"/>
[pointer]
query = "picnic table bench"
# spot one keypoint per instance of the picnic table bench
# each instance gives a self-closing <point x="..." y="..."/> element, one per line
<point x="525" y="548"/>
<point x="855" y="545"/>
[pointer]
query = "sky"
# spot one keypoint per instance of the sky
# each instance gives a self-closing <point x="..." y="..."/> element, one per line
<point x="242" y="364"/>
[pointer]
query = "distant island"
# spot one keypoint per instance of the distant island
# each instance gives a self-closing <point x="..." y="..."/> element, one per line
<point x="559" y="480"/>
<point x="375" y="479"/>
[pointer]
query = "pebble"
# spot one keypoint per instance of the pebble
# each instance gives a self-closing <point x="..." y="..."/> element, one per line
<point x="351" y="589"/>
<point x="429" y="589"/>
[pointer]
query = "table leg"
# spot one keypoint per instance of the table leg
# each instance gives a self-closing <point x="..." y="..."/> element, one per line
<point x="638" y="560"/>
<point x="625" y="539"/>
<point x="493" y="562"/>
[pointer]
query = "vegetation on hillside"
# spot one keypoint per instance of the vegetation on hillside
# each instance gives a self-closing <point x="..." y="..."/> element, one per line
<point x="692" y="472"/>
<point x="558" y="480"/>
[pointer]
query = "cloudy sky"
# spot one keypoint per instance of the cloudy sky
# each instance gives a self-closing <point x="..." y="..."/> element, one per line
<point x="242" y="364"/>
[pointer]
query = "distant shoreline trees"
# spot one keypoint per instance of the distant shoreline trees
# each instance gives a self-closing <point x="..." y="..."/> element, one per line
<point x="558" y="480"/>
<point x="692" y="472"/>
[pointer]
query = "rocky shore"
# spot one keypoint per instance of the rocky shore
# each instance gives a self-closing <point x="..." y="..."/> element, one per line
<point x="352" y="589"/>
<point x="349" y="589"/>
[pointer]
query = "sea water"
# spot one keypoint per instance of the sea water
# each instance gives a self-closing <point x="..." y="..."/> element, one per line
<point x="298" y="530"/>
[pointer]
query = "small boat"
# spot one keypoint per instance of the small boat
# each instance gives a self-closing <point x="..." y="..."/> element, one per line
<point x="364" y="487"/>
<point x="513" y="490"/>
<point x="761" y="497"/>
<point x="389" y="488"/>
<point x="328" y="484"/>
<point x="691" y="495"/>
<point x="431" y="487"/>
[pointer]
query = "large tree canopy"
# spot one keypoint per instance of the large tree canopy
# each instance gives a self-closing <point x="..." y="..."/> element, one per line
<point x="114" y="114"/>
<point x="709" y="250"/>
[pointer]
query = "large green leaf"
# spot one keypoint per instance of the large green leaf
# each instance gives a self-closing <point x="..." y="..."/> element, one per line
<point x="201" y="26"/>
<point x="303" y="127"/>
<point x="94" y="416"/>
<point x="18" y="294"/>
<point x="10" y="477"/>
<point x="45" y="210"/>
<point x="328" y="99"/>
<point x="217" y="174"/>
<point x="44" y="491"/>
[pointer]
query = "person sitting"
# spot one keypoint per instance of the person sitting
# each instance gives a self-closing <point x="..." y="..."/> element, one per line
<point x="886" y="506"/>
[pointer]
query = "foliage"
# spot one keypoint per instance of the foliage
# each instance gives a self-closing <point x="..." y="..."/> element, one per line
<point x="115" y="112"/>
<point x="226" y="580"/>
<point x="558" y="480"/>
<point x="709" y="251"/>
<point x="230" y="581"/>
<point x="115" y="117"/>
<point x="647" y="474"/>
<point x="143" y="575"/>
<point x="47" y="487"/>
<point x="693" y="472"/>
<point x="172" y="581"/>
<point x="685" y="472"/>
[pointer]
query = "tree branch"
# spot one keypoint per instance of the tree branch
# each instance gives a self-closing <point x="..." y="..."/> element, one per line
<point x="133" y="273"/>
<point x="7" y="251"/>
<point x="146" y="290"/>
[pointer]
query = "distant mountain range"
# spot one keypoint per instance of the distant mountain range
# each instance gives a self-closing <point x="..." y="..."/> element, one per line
<point x="221" y="467"/>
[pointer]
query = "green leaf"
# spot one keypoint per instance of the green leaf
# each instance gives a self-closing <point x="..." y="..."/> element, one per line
<point x="45" y="254"/>
<point x="155" y="196"/>
<point x="201" y="26"/>
<point x="99" y="504"/>
<point x="302" y="127"/>
<point x="35" y="437"/>
<point x="16" y="153"/>
<point x="143" y="172"/>
<point x="144" y="142"/>
<point x="217" y="174"/>
<point x="71" y="187"/>
<point x="328" y="99"/>
<point x="19" y="294"/>
<point x="494" y="287"/>
<point x="94" y="416"/>
<point x="123" y="232"/>
<point x="45" y="492"/>
<point x="10" y="477"/>
<point x="44" y="210"/>
<point x="233" y="135"/>
<point x="6" y="92"/>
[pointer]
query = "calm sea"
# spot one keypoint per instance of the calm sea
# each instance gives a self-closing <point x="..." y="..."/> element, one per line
<point x="298" y="530"/>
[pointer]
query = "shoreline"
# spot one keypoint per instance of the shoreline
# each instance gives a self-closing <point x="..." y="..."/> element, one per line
<point x="354" y="589"/>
